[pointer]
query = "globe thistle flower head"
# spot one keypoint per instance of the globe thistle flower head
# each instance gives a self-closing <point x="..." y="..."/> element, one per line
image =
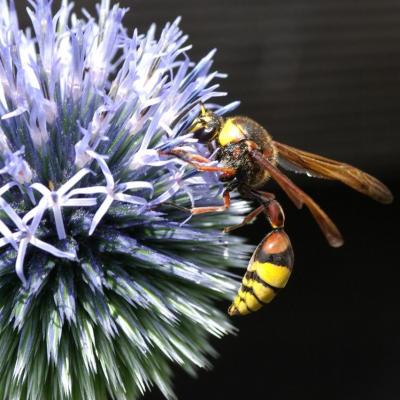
<point x="105" y="280"/>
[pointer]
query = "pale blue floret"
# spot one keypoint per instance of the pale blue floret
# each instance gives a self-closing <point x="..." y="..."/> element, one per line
<point x="112" y="191"/>
<point x="16" y="166"/>
<point x="56" y="199"/>
<point x="26" y="233"/>
<point x="69" y="75"/>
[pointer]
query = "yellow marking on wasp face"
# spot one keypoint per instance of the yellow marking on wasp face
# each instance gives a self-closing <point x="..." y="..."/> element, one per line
<point x="196" y="125"/>
<point x="230" y="133"/>
<point x="265" y="294"/>
<point x="275" y="275"/>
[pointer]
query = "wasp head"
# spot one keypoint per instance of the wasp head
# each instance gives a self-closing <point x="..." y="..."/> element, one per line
<point x="206" y="126"/>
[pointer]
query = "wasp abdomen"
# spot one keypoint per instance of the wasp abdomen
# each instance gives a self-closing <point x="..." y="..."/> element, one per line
<point x="268" y="271"/>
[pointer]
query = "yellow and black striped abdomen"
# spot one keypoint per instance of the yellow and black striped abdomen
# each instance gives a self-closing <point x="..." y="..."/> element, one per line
<point x="268" y="271"/>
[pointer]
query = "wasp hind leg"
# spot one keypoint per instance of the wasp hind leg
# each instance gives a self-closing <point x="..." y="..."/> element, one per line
<point x="269" y="268"/>
<point x="227" y="201"/>
<point x="212" y="209"/>
<point x="264" y="198"/>
<point x="197" y="161"/>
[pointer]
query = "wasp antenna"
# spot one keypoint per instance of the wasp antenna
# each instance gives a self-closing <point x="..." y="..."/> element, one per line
<point x="203" y="109"/>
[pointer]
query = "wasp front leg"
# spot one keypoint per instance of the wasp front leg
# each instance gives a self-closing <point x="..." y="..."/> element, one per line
<point x="269" y="268"/>
<point x="197" y="162"/>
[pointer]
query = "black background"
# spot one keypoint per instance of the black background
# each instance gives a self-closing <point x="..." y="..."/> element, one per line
<point x="323" y="76"/>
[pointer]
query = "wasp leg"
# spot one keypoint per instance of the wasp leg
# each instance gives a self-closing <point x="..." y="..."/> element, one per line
<point x="272" y="208"/>
<point x="213" y="209"/>
<point x="264" y="198"/>
<point x="186" y="156"/>
<point x="247" y="219"/>
<point x="196" y="161"/>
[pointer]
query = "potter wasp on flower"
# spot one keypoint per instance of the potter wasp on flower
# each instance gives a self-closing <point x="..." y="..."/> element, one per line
<point x="248" y="158"/>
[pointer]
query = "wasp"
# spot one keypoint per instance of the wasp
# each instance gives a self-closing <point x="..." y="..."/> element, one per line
<point x="248" y="157"/>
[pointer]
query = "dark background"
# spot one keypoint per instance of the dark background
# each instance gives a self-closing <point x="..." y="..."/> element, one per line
<point x="323" y="76"/>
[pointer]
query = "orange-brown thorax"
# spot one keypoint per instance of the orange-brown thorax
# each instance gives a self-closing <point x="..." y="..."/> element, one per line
<point x="235" y="133"/>
<point x="236" y="138"/>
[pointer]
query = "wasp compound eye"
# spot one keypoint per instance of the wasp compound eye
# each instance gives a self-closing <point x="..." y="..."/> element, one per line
<point x="204" y="134"/>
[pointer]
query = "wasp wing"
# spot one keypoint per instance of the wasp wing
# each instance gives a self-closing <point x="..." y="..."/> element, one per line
<point x="315" y="165"/>
<point x="300" y="198"/>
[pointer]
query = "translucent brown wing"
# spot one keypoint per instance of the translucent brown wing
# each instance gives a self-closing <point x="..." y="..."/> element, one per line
<point x="323" y="167"/>
<point x="299" y="198"/>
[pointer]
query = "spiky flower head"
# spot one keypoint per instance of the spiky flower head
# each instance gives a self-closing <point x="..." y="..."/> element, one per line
<point x="105" y="282"/>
